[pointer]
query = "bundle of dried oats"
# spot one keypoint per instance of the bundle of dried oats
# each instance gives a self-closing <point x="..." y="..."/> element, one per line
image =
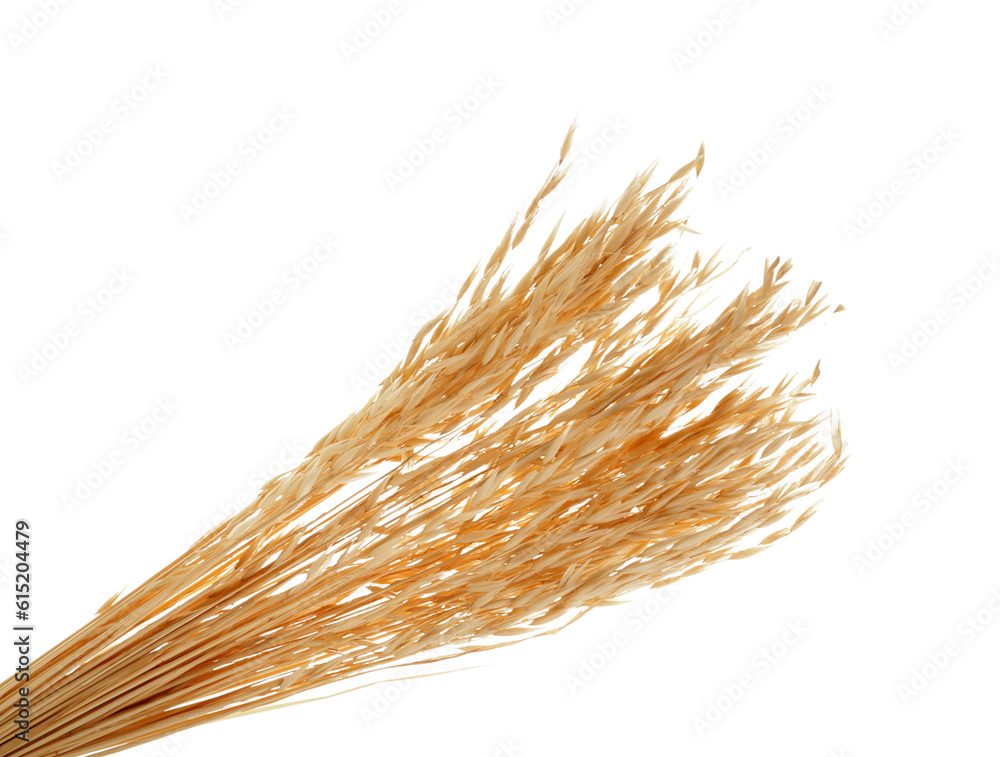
<point x="549" y="444"/>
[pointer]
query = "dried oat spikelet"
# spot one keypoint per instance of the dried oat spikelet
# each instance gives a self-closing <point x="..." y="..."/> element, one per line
<point x="549" y="444"/>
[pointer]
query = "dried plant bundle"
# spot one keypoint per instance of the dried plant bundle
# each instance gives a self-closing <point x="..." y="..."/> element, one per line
<point x="548" y="444"/>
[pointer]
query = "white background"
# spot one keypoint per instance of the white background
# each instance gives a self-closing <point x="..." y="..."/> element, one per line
<point x="900" y="142"/>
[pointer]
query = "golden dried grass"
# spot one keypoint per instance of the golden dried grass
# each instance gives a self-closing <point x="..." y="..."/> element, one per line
<point x="546" y="446"/>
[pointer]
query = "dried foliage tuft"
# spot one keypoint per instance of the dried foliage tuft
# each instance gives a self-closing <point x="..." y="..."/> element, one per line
<point x="549" y="444"/>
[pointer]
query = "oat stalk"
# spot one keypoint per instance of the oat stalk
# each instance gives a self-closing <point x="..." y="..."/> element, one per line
<point x="549" y="444"/>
